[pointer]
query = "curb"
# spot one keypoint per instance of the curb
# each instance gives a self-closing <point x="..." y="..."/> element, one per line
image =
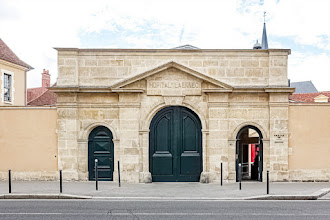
<point x="284" y="197"/>
<point x="165" y="198"/>
<point x="42" y="196"/>
<point x="314" y="196"/>
<point x="322" y="192"/>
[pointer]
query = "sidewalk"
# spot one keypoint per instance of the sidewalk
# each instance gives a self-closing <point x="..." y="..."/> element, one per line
<point x="191" y="191"/>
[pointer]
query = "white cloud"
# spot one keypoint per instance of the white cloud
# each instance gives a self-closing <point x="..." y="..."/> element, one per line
<point x="310" y="67"/>
<point x="306" y="21"/>
<point x="32" y="28"/>
<point x="38" y="27"/>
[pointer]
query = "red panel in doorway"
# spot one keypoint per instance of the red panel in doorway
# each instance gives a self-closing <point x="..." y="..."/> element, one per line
<point x="253" y="152"/>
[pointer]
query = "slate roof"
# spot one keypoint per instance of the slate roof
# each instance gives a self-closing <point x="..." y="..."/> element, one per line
<point x="307" y="97"/>
<point x="264" y="41"/>
<point x="41" y="96"/>
<point x="304" y="87"/>
<point x="8" y="55"/>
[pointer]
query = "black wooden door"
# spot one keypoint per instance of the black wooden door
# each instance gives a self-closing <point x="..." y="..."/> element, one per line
<point x="100" y="146"/>
<point x="175" y="143"/>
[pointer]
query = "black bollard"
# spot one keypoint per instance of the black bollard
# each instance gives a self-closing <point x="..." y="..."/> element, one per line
<point x="96" y="175"/>
<point x="118" y="173"/>
<point x="221" y="174"/>
<point x="267" y="182"/>
<point x="60" y="181"/>
<point x="9" y="180"/>
<point x="240" y="175"/>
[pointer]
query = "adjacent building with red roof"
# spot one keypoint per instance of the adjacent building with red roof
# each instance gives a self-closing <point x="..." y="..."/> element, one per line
<point x="310" y="97"/>
<point x="42" y="95"/>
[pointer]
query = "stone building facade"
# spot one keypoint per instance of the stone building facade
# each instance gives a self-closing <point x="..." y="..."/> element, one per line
<point x="125" y="91"/>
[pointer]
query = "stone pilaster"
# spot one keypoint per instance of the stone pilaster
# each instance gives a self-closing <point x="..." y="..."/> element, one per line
<point x="67" y="142"/>
<point x="278" y="123"/>
<point x="218" y="135"/>
<point x="129" y="152"/>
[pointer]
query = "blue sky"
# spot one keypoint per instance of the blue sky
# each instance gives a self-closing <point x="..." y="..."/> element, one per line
<point x="32" y="28"/>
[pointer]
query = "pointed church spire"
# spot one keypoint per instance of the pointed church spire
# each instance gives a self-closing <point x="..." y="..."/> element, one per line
<point x="264" y="41"/>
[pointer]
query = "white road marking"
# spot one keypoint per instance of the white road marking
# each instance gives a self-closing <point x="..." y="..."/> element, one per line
<point x="170" y="214"/>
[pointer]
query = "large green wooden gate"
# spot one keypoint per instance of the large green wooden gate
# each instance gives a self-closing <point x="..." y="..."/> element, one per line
<point x="100" y="146"/>
<point x="175" y="142"/>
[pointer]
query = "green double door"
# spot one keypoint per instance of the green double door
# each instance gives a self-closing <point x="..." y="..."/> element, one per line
<point x="100" y="147"/>
<point x="175" y="143"/>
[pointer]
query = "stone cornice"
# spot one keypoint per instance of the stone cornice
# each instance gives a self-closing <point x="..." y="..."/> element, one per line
<point x="278" y="52"/>
<point x="129" y="105"/>
<point x="128" y="90"/>
<point x="309" y="104"/>
<point x="177" y="51"/>
<point x="249" y="89"/>
<point x="249" y="104"/>
<point x="87" y="89"/>
<point x="280" y="90"/>
<point x="217" y="104"/>
<point x="17" y="107"/>
<point x="216" y="90"/>
<point x="106" y="89"/>
<point x="4" y="62"/>
<point x="278" y="104"/>
<point x="269" y="89"/>
<point x="66" y="105"/>
<point x="99" y="105"/>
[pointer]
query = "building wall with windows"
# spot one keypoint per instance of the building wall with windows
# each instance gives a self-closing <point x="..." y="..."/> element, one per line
<point x="17" y="96"/>
<point x="12" y="78"/>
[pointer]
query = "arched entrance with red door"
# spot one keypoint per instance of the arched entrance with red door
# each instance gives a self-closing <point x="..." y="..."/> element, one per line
<point x="249" y="153"/>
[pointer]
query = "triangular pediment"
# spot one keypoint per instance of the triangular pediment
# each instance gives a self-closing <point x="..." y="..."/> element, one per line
<point x="321" y="98"/>
<point x="170" y="75"/>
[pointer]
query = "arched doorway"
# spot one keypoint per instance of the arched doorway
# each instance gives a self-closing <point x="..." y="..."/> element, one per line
<point x="175" y="145"/>
<point x="249" y="153"/>
<point x="100" y="146"/>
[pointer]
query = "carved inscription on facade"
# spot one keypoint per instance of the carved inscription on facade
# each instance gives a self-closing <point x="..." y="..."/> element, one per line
<point x="279" y="138"/>
<point x="174" y="85"/>
<point x="173" y="82"/>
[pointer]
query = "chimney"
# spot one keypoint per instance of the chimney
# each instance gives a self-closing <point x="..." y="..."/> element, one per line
<point x="45" y="79"/>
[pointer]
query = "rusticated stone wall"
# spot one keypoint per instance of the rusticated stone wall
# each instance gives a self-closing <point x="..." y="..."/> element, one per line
<point x="123" y="90"/>
<point x="234" y="67"/>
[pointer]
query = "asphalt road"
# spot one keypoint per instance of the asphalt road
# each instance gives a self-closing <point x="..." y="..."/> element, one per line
<point x="105" y="209"/>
